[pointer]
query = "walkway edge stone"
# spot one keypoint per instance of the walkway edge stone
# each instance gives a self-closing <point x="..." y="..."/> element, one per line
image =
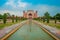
<point x="46" y="30"/>
<point x="10" y="33"/>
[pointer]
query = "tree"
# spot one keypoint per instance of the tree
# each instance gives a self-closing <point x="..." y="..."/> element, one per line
<point x="47" y="16"/>
<point x="16" y="18"/>
<point x="57" y="17"/>
<point x="43" y="18"/>
<point x="13" y="18"/>
<point x="8" y="15"/>
<point x="1" y="16"/>
<point x="4" y="18"/>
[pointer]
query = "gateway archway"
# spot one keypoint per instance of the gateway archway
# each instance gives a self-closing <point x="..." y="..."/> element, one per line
<point x="30" y="14"/>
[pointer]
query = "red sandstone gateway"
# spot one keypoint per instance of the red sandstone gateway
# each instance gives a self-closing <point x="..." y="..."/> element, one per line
<point x="30" y="14"/>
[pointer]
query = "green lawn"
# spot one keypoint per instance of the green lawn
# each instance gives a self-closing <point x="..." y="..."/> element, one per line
<point x="7" y="24"/>
<point x="52" y="24"/>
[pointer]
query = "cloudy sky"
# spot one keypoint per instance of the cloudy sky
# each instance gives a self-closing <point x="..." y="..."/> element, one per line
<point x="16" y="7"/>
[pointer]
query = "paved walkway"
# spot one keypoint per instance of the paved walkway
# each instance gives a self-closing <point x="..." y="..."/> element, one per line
<point x="6" y="30"/>
<point x="54" y="31"/>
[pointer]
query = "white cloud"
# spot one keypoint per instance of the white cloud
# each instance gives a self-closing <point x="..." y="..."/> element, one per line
<point x="16" y="4"/>
<point x="10" y="3"/>
<point x="13" y="7"/>
<point x="18" y="7"/>
<point x="22" y="4"/>
<point x="44" y="8"/>
<point x="18" y="13"/>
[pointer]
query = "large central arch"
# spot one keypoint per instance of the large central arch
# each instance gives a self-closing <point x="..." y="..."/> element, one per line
<point x="30" y="15"/>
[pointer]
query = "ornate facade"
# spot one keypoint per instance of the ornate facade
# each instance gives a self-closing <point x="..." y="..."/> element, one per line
<point x="30" y="14"/>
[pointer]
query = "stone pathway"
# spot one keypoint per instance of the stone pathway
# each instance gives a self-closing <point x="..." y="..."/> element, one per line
<point x="54" y="31"/>
<point x="6" y="30"/>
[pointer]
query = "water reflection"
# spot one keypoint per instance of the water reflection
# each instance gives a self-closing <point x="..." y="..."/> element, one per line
<point x="30" y="24"/>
